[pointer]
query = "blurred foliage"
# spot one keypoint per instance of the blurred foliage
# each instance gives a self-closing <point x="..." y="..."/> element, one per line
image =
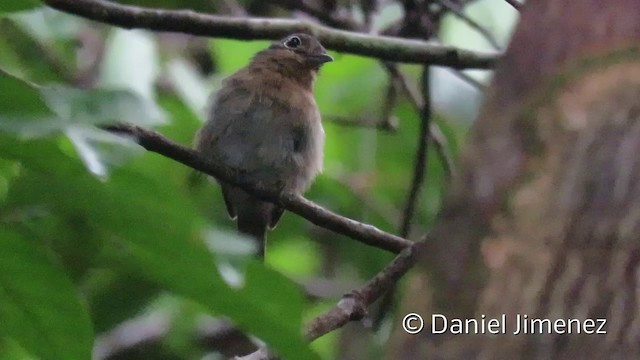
<point x="95" y="232"/>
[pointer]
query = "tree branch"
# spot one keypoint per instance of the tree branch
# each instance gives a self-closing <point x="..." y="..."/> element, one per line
<point x="326" y="17"/>
<point x="368" y="234"/>
<point x="419" y="175"/>
<point x="186" y="21"/>
<point x="458" y="11"/>
<point x="390" y="123"/>
<point x="420" y="162"/>
<point x="435" y="133"/>
<point x="361" y="194"/>
<point x="353" y="306"/>
<point x="516" y="5"/>
<point x="469" y="80"/>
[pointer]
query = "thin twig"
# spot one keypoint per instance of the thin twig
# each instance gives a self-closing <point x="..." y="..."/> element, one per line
<point x="403" y="83"/>
<point x="389" y="124"/>
<point x="440" y="144"/>
<point x="516" y="5"/>
<point x="420" y="162"/>
<point x="468" y="79"/>
<point x="368" y="234"/>
<point x="369" y="8"/>
<point x="390" y="101"/>
<point x="419" y="175"/>
<point x="185" y="21"/>
<point x="399" y="81"/>
<point x="234" y="7"/>
<point x="384" y="210"/>
<point x="458" y="11"/>
<point x="320" y="14"/>
<point x="435" y="133"/>
<point x="353" y="306"/>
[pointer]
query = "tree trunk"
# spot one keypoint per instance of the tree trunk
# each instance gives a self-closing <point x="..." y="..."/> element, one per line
<point x="544" y="219"/>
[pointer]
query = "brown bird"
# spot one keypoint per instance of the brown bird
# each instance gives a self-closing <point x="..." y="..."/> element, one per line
<point x="265" y="121"/>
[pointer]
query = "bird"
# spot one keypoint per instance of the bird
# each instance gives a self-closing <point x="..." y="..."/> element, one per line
<point x="264" y="121"/>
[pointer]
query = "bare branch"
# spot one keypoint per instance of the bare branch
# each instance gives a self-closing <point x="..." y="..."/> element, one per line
<point x="458" y="11"/>
<point x="368" y="234"/>
<point x="440" y="143"/>
<point x="353" y="306"/>
<point x="185" y="21"/>
<point x="382" y="209"/>
<point x="234" y="7"/>
<point x="420" y="162"/>
<point x="320" y="14"/>
<point x="436" y="134"/>
<point x="516" y="5"/>
<point x="468" y="79"/>
<point x="389" y="124"/>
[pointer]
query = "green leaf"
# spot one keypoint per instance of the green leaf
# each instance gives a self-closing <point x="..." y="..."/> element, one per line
<point x="155" y="231"/>
<point x="46" y="25"/>
<point x="259" y="288"/>
<point x="99" y="149"/>
<point x="116" y="296"/>
<point x="101" y="106"/>
<point x="10" y="350"/>
<point x="35" y="112"/>
<point x="19" y="98"/>
<point x="9" y="6"/>
<point x="259" y="307"/>
<point x="130" y="62"/>
<point x="38" y="305"/>
<point x="189" y="85"/>
<point x="22" y="110"/>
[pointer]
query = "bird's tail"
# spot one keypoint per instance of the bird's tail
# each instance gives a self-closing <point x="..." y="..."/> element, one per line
<point x="255" y="226"/>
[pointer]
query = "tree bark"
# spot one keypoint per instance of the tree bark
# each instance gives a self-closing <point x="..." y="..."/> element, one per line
<point x="544" y="217"/>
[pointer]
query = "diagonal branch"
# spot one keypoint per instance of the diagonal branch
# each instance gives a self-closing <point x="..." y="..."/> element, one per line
<point x="469" y="80"/>
<point x="368" y="234"/>
<point x="418" y="180"/>
<point x="186" y="21"/>
<point x="353" y="306"/>
<point x="320" y="14"/>
<point x="516" y="4"/>
<point x="435" y="133"/>
<point x="388" y="123"/>
<point x="420" y="162"/>
<point x="458" y="11"/>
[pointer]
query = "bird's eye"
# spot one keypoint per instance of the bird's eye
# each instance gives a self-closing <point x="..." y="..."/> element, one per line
<point x="293" y="42"/>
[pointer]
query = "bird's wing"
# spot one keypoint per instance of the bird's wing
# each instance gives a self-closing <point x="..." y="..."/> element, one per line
<point x="251" y="132"/>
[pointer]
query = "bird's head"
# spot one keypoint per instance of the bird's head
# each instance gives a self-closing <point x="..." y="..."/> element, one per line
<point x="306" y="49"/>
<point x="297" y="56"/>
<point x="296" y="52"/>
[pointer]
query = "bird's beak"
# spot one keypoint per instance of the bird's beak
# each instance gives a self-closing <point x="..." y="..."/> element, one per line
<point x="320" y="59"/>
